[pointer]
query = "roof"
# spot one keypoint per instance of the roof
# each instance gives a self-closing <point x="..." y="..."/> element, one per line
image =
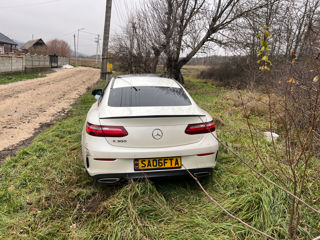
<point x="141" y="75"/>
<point x="144" y="80"/>
<point x="5" y="39"/>
<point x="30" y="43"/>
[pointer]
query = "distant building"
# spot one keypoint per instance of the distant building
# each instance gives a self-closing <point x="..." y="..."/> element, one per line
<point x="7" y="45"/>
<point x="36" y="46"/>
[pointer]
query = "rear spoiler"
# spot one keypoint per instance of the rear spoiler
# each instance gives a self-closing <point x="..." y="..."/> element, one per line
<point x="153" y="116"/>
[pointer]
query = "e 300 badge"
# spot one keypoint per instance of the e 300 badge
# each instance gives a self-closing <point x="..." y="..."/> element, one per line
<point x="119" y="141"/>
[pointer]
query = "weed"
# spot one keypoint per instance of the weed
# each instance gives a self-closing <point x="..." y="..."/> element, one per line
<point x="15" y="77"/>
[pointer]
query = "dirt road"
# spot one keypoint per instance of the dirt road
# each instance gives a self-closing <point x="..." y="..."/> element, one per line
<point x="26" y="105"/>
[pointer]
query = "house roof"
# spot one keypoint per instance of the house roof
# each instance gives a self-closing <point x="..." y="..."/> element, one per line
<point x="30" y="43"/>
<point x="5" y="39"/>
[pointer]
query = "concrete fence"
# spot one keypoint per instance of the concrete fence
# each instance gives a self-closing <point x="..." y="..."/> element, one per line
<point x="27" y="63"/>
<point x="12" y="64"/>
<point x="63" y="61"/>
<point x="37" y="61"/>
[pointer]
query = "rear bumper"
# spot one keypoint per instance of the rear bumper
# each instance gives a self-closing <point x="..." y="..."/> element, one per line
<point x="123" y="165"/>
<point x="116" y="177"/>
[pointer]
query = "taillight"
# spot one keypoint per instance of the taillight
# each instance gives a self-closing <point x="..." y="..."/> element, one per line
<point x="205" y="154"/>
<point x="105" y="159"/>
<point x="105" y="131"/>
<point x="198" y="128"/>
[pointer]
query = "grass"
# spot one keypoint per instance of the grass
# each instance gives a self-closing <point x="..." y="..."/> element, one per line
<point x="86" y="62"/>
<point x="15" y="77"/>
<point x="46" y="194"/>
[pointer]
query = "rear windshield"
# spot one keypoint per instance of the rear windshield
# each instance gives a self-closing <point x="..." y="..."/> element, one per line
<point x="145" y="96"/>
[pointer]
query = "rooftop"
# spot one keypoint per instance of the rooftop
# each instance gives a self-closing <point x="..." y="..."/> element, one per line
<point x="30" y="43"/>
<point x="5" y="39"/>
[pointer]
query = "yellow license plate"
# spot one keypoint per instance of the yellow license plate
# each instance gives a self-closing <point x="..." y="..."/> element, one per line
<point x="157" y="163"/>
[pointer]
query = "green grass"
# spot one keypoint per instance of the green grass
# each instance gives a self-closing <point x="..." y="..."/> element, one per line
<point x="15" y="77"/>
<point x="46" y="194"/>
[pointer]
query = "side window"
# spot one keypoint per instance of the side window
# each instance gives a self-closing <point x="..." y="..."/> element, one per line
<point x="104" y="90"/>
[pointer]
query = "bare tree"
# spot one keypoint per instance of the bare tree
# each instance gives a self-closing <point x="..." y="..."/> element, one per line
<point x="132" y="49"/>
<point x="213" y="17"/>
<point x="39" y="50"/>
<point x="179" y="29"/>
<point x="288" y="35"/>
<point x="59" y="47"/>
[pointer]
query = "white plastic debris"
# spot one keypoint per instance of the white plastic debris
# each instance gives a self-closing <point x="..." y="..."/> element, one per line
<point x="67" y="66"/>
<point x="270" y="135"/>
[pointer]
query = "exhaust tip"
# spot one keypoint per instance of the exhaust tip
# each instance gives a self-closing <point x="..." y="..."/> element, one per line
<point x="87" y="162"/>
<point x="108" y="180"/>
<point x="202" y="174"/>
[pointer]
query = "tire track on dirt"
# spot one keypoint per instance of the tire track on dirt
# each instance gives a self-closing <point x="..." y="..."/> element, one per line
<point x="7" y="91"/>
<point x="26" y="105"/>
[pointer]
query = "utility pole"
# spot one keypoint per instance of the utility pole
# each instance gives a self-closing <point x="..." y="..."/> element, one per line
<point x="99" y="51"/>
<point x="74" y="45"/>
<point x="77" y="51"/>
<point x="106" y="41"/>
<point x="98" y="43"/>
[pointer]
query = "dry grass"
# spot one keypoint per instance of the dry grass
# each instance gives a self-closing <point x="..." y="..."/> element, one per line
<point x="255" y="103"/>
<point x="193" y="70"/>
<point x="86" y="62"/>
<point x="195" y="67"/>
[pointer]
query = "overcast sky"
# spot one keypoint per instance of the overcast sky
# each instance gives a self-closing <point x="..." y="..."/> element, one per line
<point x="48" y="19"/>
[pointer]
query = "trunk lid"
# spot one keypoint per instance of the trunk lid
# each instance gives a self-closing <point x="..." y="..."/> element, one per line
<point x="153" y="132"/>
<point x="152" y="129"/>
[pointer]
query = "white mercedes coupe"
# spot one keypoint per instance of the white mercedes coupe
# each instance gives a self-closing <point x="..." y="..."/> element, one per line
<point x="147" y="126"/>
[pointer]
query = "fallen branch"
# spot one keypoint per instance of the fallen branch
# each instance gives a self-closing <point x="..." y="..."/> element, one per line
<point x="226" y="211"/>
<point x="264" y="177"/>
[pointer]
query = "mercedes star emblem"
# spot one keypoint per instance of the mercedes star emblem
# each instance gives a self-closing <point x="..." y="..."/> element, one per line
<point x="157" y="134"/>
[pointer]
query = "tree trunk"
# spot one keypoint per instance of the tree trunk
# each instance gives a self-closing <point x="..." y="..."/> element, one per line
<point x="155" y="59"/>
<point x="174" y="70"/>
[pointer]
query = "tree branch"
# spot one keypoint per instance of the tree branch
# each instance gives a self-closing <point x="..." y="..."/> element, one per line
<point x="226" y="211"/>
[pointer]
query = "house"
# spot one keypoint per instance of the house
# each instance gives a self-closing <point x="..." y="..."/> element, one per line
<point x="36" y="46"/>
<point x="7" y="45"/>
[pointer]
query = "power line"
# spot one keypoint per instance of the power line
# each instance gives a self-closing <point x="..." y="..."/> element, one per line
<point x="87" y="40"/>
<point x="30" y="5"/>
<point x="127" y="11"/>
<point x="64" y="35"/>
<point x="90" y="33"/>
<point x="120" y="16"/>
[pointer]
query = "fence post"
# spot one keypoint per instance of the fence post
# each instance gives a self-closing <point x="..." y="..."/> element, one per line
<point x="23" y="63"/>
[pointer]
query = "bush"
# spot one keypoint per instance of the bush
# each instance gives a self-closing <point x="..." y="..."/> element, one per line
<point x="229" y="73"/>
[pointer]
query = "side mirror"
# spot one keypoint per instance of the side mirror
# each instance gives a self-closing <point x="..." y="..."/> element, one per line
<point x="97" y="93"/>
